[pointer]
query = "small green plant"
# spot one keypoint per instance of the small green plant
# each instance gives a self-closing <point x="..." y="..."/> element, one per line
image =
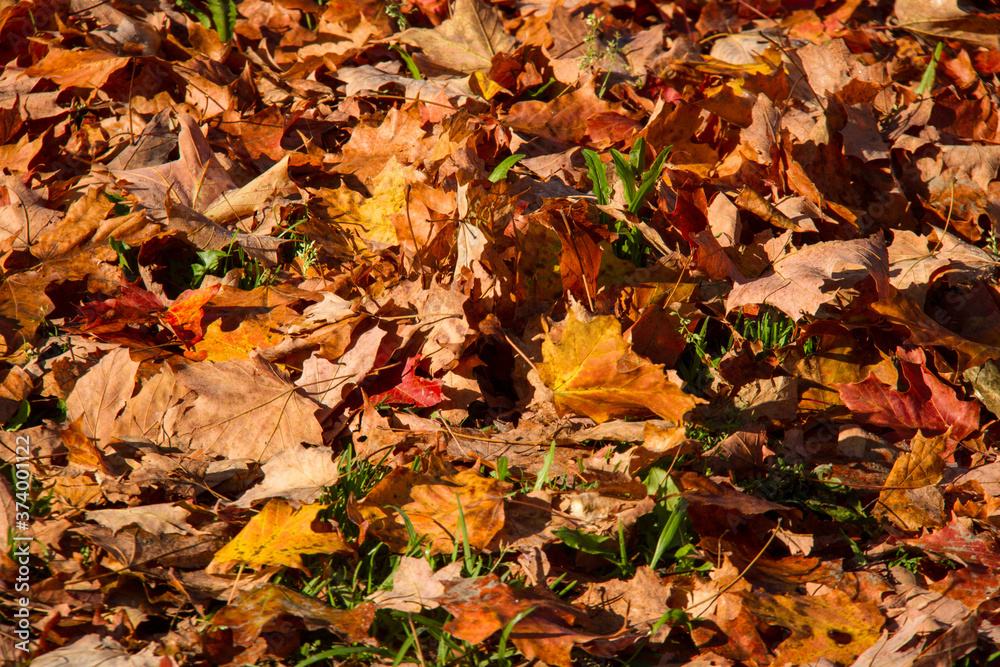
<point x="637" y="183"/>
<point x="906" y="560"/>
<point x="411" y="66"/>
<point x="395" y="12"/>
<point x="217" y="14"/>
<point x="127" y="258"/>
<point x="771" y="328"/>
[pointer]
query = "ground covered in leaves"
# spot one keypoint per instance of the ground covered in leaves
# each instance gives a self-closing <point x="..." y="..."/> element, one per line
<point x="474" y="333"/>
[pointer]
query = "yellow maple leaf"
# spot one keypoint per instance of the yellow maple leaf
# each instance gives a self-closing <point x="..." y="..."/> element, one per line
<point x="593" y="371"/>
<point x="280" y="535"/>
<point x="371" y="218"/>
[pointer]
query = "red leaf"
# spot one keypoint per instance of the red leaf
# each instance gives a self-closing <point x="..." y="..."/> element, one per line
<point x="412" y="390"/>
<point x="133" y="305"/>
<point x="928" y="404"/>
<point x="957" y="542"/>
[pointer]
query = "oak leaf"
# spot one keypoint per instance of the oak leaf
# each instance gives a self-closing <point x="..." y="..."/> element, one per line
<point x="279" y="535"/>
<point x="592" y="371"/>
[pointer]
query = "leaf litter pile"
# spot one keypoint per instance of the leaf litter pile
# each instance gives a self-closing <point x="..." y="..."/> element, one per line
<point x="616" y="332"/>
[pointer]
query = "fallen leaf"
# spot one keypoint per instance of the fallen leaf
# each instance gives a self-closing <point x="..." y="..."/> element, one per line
<point x="909" y="498"/>
<point x="801" y="282"/>
<point x="412" y="389"/>
<point x="279" y="535"/>
<point x="262" y="610"/>
<point x="928" y="404"/>
<point x="239" y="409"/>
<point x="593" y="371"/>
<point x="831" y="626"/>
<point x="467" y="41"/>
<point x="297" y="474"/>
<point x="432" y="504"/>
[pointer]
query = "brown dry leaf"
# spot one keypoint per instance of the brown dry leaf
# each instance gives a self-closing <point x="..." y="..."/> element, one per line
<point x="279" y="535"/>
<point x="415" y="586"/>
<point x="909" y="498"/>
<point x="562" y="119"/>
<point x="101" y="394"/>
<point x="154" y="519"/>
<point x="239" y="409"/>
<point x="592" y="371"/>
<point x="85" y="68"/>
<point x="467" y="41"/>
<point x="484" y="605"/>
<point x="329" y="383"/>
<point x="260" y="610"/>
<point x="297" y="474"/>
<point x="801" y="282"/>
<point x="196" y="178"/>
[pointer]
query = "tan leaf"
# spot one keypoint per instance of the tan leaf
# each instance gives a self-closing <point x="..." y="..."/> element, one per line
<point x="467" y="41"/>
<point x="101" y="394"/>
<point x="240" y="409"/>
<point x="154" y="519"/>
<point x="801" y="282"/>
<point x="297" y="474"/>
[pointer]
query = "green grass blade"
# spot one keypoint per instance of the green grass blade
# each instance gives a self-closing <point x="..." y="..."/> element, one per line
<point x="649" y="180"/>
<point x="930" y="74"/>
<point x="543" y="474"/>
<point x="597" y="174"/>
<point x="408" y="59"/>
<point x="502" y="646"/>
<point x="501" y="170"/>
<point x="223" y="17"/>
<point x="625" y="173"/>
<point x="637" y="156"/>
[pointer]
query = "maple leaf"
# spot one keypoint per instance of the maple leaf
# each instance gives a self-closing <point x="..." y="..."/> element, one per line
<point x="262" y="609"/>
<point x="432" y="504"/>
<point x="185" y="313"/>
<point x="412" y="389"/>
<point x="592" y="371"/>
<point x="244" y="408"/>
<point x="101" y="394"/>
<point x="279" y="535"/>
<point x="831" y="626"/>
<point x="928" y="404"/>
<point x="799" y="283"/>
<point x="484" y="605"/>
<point x="909" y="498"/>
<point x="467" y="41"/>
